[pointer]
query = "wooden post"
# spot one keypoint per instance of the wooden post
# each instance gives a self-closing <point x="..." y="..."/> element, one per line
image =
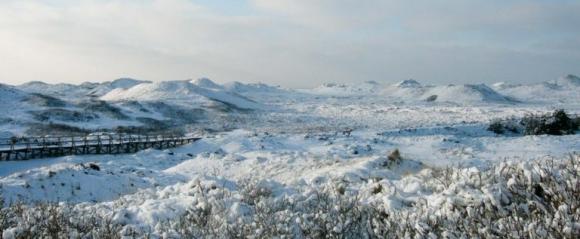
<point x="110" y="147"/>
<point x="98" y="149"/>
<point x="73" y="146"/>
<point x="27" y="149"/>
<point x="85" y="145"/>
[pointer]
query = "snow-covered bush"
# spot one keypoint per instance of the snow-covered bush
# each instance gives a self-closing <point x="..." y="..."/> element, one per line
<point x="532" y="199"/>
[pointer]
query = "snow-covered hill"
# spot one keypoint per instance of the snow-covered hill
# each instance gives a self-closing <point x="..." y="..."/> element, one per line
<point x="197" y="94"/>
<point x="134" y="103"/>
<point x="568" y="81"/>
<point x="407" y="90"/>
<point x="465" y="94"/>
<point x="78" y="92"/>
<point x="413" y="91"/>
<point x="565" y="89"/>
<point x="10" y="95"/>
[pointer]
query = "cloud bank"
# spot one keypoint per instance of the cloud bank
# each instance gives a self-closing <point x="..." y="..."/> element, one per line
<point x="294" y="43"/>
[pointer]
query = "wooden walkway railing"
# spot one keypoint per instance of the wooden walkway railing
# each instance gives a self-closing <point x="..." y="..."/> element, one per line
<point x="42" y="147"/>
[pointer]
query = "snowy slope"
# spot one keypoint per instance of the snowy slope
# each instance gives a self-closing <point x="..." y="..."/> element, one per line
<point x="410" y="90"/>
<point x="182" y="93"/>
<point x="207" y="83"/>
<point x="565" y="89"/>
<point x="121" y="83"/>
<point x="568" y="81"/>
<point x="56" y="90"/>
<point x="10" y="95"/>
<point x="465" y="94"/>
<point x="78" y="92"/>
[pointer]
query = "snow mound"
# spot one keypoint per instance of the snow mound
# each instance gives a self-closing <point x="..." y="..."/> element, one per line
<point x="121" y="83"/>
<point x="567" y="81"/>
<point x="58" y="90"/>
<point x="125" y="83"/>
<point x="564" y="89"/>
<point x="405" y="90"/>
<point x="466" y="94"/>
<point x="180" y="92"/>
<point x="206" y="83"/>
<point x="410" y="83"/>
<point x="503" y="85"/>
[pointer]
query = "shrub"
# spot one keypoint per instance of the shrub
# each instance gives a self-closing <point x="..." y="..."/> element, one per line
<point x="557" y="123"/>
<point x="537" y="199"/>
<point x="503" y="126"/>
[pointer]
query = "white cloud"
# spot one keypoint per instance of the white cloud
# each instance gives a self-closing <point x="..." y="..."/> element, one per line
<point x="288" y="42"/>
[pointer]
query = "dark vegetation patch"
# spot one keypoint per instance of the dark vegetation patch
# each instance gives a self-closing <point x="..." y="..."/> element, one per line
<point x="226" y="107"/>
<point x="56" y="129"/>
<point x="150" y="130"/>
<point x="177" y="113"/>
<point x="104" y="108"/>
<point x="44" y="100"/>
<point x="556" y="123"/>
<point x="134" y="105"/>
<point x="58" y="114"/>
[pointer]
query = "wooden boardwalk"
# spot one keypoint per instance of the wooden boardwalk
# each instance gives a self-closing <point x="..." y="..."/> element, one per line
<point x="43" y="147"/>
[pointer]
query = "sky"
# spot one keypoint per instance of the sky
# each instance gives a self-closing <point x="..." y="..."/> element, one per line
<point x="292" y="43"/>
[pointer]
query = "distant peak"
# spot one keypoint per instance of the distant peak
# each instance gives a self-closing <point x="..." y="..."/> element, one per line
<point x="572" y="77"/>
<point x="568" y="80"/>
<point x="410" y="83"/>
<point x="206" y="83"/>
<point x="35" y="83"/>
<point x="126" y="82"/>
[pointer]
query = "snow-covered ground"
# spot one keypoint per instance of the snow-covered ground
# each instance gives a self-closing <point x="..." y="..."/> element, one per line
<point x="289" y="141"/>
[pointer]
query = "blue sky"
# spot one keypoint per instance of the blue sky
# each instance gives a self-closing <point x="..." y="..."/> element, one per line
<point x="294" y="43"/>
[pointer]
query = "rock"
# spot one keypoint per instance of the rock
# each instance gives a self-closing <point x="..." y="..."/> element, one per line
<point x="94" y="167"/>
